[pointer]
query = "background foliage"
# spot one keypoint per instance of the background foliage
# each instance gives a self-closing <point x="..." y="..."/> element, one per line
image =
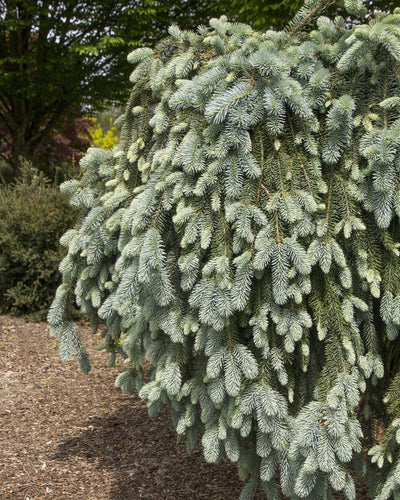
<point x="103" y="131"/>
<point x="33" y="216"/>
<point x="60" y="58"/>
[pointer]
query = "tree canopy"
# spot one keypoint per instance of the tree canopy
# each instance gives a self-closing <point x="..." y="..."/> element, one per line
<point x="58" y="58"/>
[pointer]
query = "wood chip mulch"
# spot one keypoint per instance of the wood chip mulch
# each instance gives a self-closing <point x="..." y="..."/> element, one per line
<point x="64" y="434"/>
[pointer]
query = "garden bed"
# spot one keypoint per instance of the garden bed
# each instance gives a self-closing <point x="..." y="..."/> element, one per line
<point x="64" y="434"/>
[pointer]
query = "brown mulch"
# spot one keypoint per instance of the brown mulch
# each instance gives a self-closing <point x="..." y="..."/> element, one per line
<point x="64" y="434"/>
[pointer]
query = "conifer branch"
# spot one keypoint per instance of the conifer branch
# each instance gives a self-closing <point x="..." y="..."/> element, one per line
<point x="309" y="16"/>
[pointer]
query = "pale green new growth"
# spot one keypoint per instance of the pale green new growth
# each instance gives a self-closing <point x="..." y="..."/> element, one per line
<point x="243" y="243"/>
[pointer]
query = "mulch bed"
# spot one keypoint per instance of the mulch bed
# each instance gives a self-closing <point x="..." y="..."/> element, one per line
<point x="64" y="434"/>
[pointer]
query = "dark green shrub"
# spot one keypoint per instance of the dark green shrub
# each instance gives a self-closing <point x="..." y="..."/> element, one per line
<point x="33" y="216"/>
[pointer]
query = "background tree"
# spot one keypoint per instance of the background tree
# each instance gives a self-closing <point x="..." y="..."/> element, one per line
<point x="60" y="58"/>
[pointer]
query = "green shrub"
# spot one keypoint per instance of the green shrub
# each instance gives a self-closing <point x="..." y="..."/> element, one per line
<point x="33" y="215"/>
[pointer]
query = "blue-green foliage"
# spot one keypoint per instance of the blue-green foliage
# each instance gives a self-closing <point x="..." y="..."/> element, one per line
<point x="244" y="239"/>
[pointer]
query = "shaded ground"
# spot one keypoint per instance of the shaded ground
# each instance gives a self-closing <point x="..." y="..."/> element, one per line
<point x="64" y="434"/>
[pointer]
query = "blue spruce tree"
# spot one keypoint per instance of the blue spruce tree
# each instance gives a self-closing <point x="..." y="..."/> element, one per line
<point x="244" y="239"/>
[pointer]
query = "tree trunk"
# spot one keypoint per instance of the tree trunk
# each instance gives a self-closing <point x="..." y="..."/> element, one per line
<point x="20" y="150"/>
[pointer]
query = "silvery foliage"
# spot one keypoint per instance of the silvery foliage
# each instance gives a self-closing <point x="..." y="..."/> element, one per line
<point x="244" y="239"/>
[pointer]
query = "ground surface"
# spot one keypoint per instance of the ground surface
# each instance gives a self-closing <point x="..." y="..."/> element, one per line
<point x="67" y="435"/>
